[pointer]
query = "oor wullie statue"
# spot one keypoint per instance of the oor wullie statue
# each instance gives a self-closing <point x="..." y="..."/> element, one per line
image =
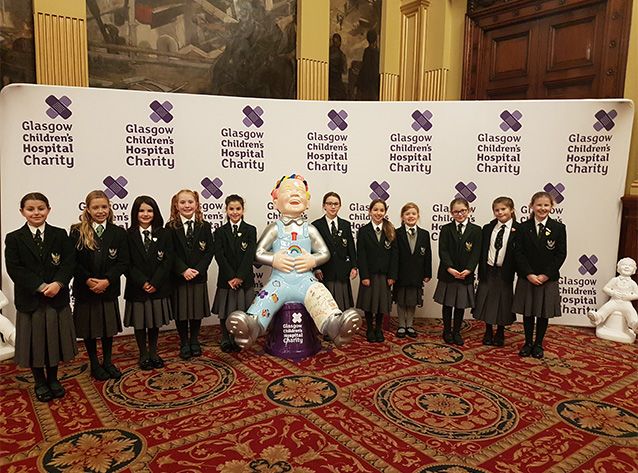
<point x="293" y="248"/>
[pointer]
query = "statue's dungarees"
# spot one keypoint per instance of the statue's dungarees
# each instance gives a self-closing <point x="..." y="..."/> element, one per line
<point x="293" y="287"/>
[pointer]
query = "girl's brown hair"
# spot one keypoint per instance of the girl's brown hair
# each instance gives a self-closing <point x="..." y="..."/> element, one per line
<point x="388" y="228"/>
<point x="505" y="201"/>
<point x="85" y="227"/>
<point x="175" y="221"/>
<point x="459" y="200"/>
<point x="408" y="206"/>
<point x="541" y="194"/>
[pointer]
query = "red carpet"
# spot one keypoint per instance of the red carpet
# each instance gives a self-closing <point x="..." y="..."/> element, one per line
<point x="401" y="406"/>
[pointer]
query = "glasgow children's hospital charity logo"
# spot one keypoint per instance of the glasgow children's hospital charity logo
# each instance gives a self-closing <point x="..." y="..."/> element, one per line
<point x="115" y="187"/>
<point x="379" y="191"/>
<point x="253" y="116"/>
<point x="511" y="120"/>
<point x="555" y="191"/>
<point x="58" y="107"/>
<point x="212" y="188"/>
<point x="466" y="191"/>
<point x="161" y="111"/>
<point x="421" y="120"/>
<point x="588" y="264"/>
<point x="337" y="120"/>
<point x="605" y="120"/>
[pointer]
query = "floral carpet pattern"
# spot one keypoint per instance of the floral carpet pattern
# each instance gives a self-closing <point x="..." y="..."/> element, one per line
<point x="406" y="405"/>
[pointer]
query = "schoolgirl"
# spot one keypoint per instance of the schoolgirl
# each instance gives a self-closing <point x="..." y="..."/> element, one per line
<point x="40" y="261"/>
<point x="377" y="257"/>
<point x="539" y="257"/>
<point x="235" y="246"/>
<point x="148" y="287"/>
<point x="496" y="272"/>
<point x="101" y="255"/>
<point x="415" y="268"/>
<point x="459" y="251"/>
<point x="192" y="242"/>
<point x="342" y="265"/>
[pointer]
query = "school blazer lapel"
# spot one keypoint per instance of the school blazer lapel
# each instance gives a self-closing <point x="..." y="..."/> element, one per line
<point x="27" y="237"/>
<point x="325" y="230"/>
<point x="49" y="242"/>
<point x="105" y="244"/>
<point x="137" y="240"/>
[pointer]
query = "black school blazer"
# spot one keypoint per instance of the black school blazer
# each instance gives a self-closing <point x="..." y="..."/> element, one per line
<point x="198" y="257"/>
<point x="109" y="261"/>
<point x="154" y="267"/>
<point x="459" y="254"/>
<point x="509" y="267"/>
<point x="343" y="254"/>
<point x="544" y="255"/>
<point x="29" y="270"/>
<point x="374" y="256"/>
<point x="235" y="256"/>
<point x="413" y="267"/>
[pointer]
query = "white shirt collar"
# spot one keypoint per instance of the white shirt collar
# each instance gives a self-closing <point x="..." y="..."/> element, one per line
<point x="536" y="222"/>
<point x="330" y="221"/>
<point x="150" y="228"/>
<point x="34" y="229"/>
<point x="95" y="225"/>
<point x="185" y="220"/>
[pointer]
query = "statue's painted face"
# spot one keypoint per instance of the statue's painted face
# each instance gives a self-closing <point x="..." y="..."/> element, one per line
<point x="292" y="199"/>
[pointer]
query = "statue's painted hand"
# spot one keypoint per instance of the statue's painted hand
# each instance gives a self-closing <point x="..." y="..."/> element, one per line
<point x="283" y="262"/>
<point x="305" y="262"/>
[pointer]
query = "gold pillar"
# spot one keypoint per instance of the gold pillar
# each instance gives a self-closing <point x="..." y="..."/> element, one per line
<point x="413" y="35"/>
<point x="61" y="56"/>
<point x="389" y="64"/>
<point x="313" y="42"/>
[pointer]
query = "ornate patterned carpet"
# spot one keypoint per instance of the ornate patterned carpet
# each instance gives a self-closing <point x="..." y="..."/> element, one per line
<point x="401" y="406"/>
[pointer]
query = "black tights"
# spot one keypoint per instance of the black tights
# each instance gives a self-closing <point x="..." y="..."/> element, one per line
<point x="107" y="351"/>
<point x="182" y="330"/>
<point x="447" y="319"/>
<point x="378" y="320"/>
<point x="541" y="328"/>
<point x="140" y="338"/>
<point x="41" y="379"/>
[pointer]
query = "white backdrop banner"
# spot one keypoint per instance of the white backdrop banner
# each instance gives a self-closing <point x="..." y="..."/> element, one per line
<point x="65" y="142"/>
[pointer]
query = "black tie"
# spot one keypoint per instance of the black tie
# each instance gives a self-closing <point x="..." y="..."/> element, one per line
<point x="38" y="240"/>
<point x="189" y="234"/>
<point x="412" y="232"/>
<point x="147" y="240"/>
<point x="498" y="243"/>
<point x="235" y="231"/>
<point x="459" y="230"/>
<point x="541" y="227"/>
<point x="333" y="230"/>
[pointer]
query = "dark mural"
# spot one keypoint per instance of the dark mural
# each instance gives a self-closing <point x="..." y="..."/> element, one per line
<point x="224" y="47"/>
<point x="355" y="27"/>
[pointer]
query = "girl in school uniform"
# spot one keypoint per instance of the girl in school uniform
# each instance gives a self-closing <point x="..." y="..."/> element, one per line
<point x="415" y="268"/>
<point x="459" y="251"/>
<point x="148" y="287"/>
<point x="193" y="248"/>
<point x="101" y="255"/>
<point x="377" y="257"/>
<point x="235" y="246"/>
<point x="496" y="272"/>
<point x="40" y="261"/>
<point x="539" y="257"/>
<point x="342" y="265"/>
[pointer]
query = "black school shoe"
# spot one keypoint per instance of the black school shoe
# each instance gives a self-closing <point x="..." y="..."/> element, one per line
<point x="447" y="338"/>
<point x="146" y="364"/>
<point x="113" y="372"/>
<point x="458" y="340"/>
<point x="525" y="351"/>
<point x="196" y="349"/>
<point x="488" y="339"/>
<point x="57" y="390"/>
<point x="43" y="393"/>
<point x="378" y="335"/>
<point x="100" y="373"/>
<point x="411" y="332"/>
<point x="537" y="352"/>
<point x="370" y="336"/>
<point x="157" y="362"/>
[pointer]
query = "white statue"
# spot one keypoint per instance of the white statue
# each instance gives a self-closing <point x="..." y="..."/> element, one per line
<point x="617" y="319"/>
<point x="8" y="331"/>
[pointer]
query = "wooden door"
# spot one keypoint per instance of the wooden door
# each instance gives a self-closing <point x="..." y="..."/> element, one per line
<point x="546" y="50"/>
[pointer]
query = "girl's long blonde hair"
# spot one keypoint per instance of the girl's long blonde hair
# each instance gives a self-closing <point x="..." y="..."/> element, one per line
<point x="175" y="220"/>
<point x="388" y="228"/>
<point x="85" y="226"/>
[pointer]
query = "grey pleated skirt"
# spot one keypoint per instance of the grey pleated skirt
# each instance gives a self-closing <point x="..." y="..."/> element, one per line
<point x="152" y="313"/>
<point x="229" y="300"/>
<point x="190" y="302"/>
<point x="342" y="293"/>
<point x="494" y="299"/>
<point x="376" y="297"/>
<point x="454" y="294"/>
<point x="410" y="296"/>
<point x="45" y="337"/>
<point x="97" y="319"/>
<point x="537" y="301"/>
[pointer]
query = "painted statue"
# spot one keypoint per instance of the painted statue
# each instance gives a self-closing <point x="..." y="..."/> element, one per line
<point x="293" y="248"/>
<point x="8" y="331"/>
<point x="622" y="290"/>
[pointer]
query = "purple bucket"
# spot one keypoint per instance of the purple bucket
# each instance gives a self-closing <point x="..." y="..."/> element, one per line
<point x="292" y="333"/>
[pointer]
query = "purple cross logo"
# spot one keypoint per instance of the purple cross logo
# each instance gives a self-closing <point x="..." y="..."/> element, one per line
<point x="115" y="187"/>
<point x="555" y="191"/>
<point x="511" y="120"/>
<point x="421" y="120"/>
<point x="161" y="111"/>
<point x="588" y="264"/>
<point x="253" y="116"/>
<point x="379" y="191"/>
<point x="605" y="120"/>
<point x="337" y="120"/>
<point x="58" y="107"/>
<point x="466" y="191"/>
<point x="212" y="188"/>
